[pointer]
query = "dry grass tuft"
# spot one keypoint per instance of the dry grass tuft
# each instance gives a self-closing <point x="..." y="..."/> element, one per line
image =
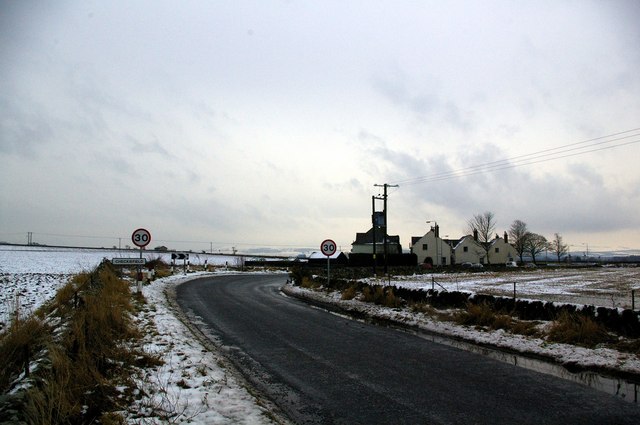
<point x="577" y="329"/>
<point x="430" y="311"/>
<point x="629" y="345"/>
<point x="482" y="315"/>
<point x="17" y="344"/>
<point x="83" y="359"/>
<point x="350" y="293"/>
<point x="381" y="296"/>
<point x="309" y="283"/>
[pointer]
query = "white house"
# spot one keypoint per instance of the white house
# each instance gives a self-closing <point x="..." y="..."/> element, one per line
<point x="500" y="250"/>
<point x="431" y="249"/>
<point x="469" y="250"/>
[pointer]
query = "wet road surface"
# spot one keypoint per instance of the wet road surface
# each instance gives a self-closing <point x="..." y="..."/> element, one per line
<point x="322" y="368"/>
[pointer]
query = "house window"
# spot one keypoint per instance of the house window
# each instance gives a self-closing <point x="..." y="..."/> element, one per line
<point x="465" y="249"/>
<point x="424" y="247"/>
<point x="497" y="250"/>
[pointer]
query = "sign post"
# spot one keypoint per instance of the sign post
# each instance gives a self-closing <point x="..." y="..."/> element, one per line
<point x="180" y="256"/>
<point x="328" y="248"/>
<point x="140" y="238"/>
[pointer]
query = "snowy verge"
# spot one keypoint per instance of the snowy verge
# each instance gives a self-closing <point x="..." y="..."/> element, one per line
<point x="597" y="359"/>
<point x="195" y="384"/>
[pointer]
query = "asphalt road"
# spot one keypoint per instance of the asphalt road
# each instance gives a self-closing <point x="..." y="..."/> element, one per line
<point x="322" y="368"/>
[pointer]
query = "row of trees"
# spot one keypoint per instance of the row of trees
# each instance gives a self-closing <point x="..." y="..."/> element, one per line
<point x="523" y="240"/>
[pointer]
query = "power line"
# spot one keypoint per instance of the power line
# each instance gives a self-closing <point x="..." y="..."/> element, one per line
<point x="33" y="236"/>
<point x="570" y="150"/>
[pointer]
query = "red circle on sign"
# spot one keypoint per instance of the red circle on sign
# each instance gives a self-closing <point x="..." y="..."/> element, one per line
<point x="328" y="247"/>
<point x="141" y="237"/>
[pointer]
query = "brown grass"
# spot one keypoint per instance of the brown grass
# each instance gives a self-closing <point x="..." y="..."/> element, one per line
<point x="483" y="316"/>
<point x="381" y="296"/>
<point x="577" y="329"/>
<point x="428" y="310"/>
<point x="350" y="293"/>
<point x="17" y="345"/>
<point x="83" y="359"/>
<point x="309" y="283"/>
<point x="629" y="345"/>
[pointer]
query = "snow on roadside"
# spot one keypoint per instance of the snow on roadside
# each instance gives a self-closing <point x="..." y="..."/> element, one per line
<point x="193" y="385"/>
<point x="604" y="358"/>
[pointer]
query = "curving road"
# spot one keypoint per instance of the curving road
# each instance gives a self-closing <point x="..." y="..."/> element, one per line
<point x="322" y="368"/>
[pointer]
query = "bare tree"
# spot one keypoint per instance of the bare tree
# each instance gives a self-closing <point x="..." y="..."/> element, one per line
<point x="536" y="244"/>
<point x="518" y="233"/>
<point x="558" y="246"/>
<point x="484" y="224"/>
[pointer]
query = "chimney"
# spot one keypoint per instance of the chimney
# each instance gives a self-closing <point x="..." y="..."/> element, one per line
<point x="506" y="237"/>
<point x="475" y="235"/>
<point x="437" y="231"/>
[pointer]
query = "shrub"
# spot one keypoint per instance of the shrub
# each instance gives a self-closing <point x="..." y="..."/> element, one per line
<point x="381" y="296"/>
<point x="526" y="328"/>
<point x="483" y="315"/>
<point x="298" y="274"/>
<point x="390" y="299"/>
<point x="309" y="283"/>
<point x="161" y="269"/>
<point x="371" y="294"/>
<point x="578" y="329"/>
<point x="350" y="293"/>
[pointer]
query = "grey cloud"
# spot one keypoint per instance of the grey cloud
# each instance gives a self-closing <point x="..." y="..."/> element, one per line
<point x="570" y="200"/>
<point x="22" y="133"/>
<point x="351" y="185"/>
<point x="425" y="104"/>
<point x="584" y="175"/>
<point x="398" y="93"/>
<point x="153" y="147"/>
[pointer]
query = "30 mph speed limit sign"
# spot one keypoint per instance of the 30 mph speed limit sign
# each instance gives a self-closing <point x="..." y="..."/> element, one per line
<point x="141" y="237"/>
<point x="328" y="247"/>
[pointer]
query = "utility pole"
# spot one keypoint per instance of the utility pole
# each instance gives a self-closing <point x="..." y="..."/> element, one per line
<point x="376" y="223"/>
<point x="385" y="227"/>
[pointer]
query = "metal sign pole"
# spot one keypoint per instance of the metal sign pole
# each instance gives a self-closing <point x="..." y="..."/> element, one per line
<point x="140" y="238"/>
<point x="328" y="267"/>
<point x="328" y="248"/>
<point x="140" y="274"/>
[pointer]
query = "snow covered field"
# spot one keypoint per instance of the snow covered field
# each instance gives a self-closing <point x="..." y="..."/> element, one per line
<point x="603" y="286"/>
<point x="31" y="275"/>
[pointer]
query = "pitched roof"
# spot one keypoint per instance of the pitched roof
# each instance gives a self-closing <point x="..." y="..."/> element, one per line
<point x="319" y="255"/>
<point x="367" y="238"/>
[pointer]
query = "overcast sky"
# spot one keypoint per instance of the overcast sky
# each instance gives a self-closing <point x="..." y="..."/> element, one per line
<point x="268" y="123"/>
